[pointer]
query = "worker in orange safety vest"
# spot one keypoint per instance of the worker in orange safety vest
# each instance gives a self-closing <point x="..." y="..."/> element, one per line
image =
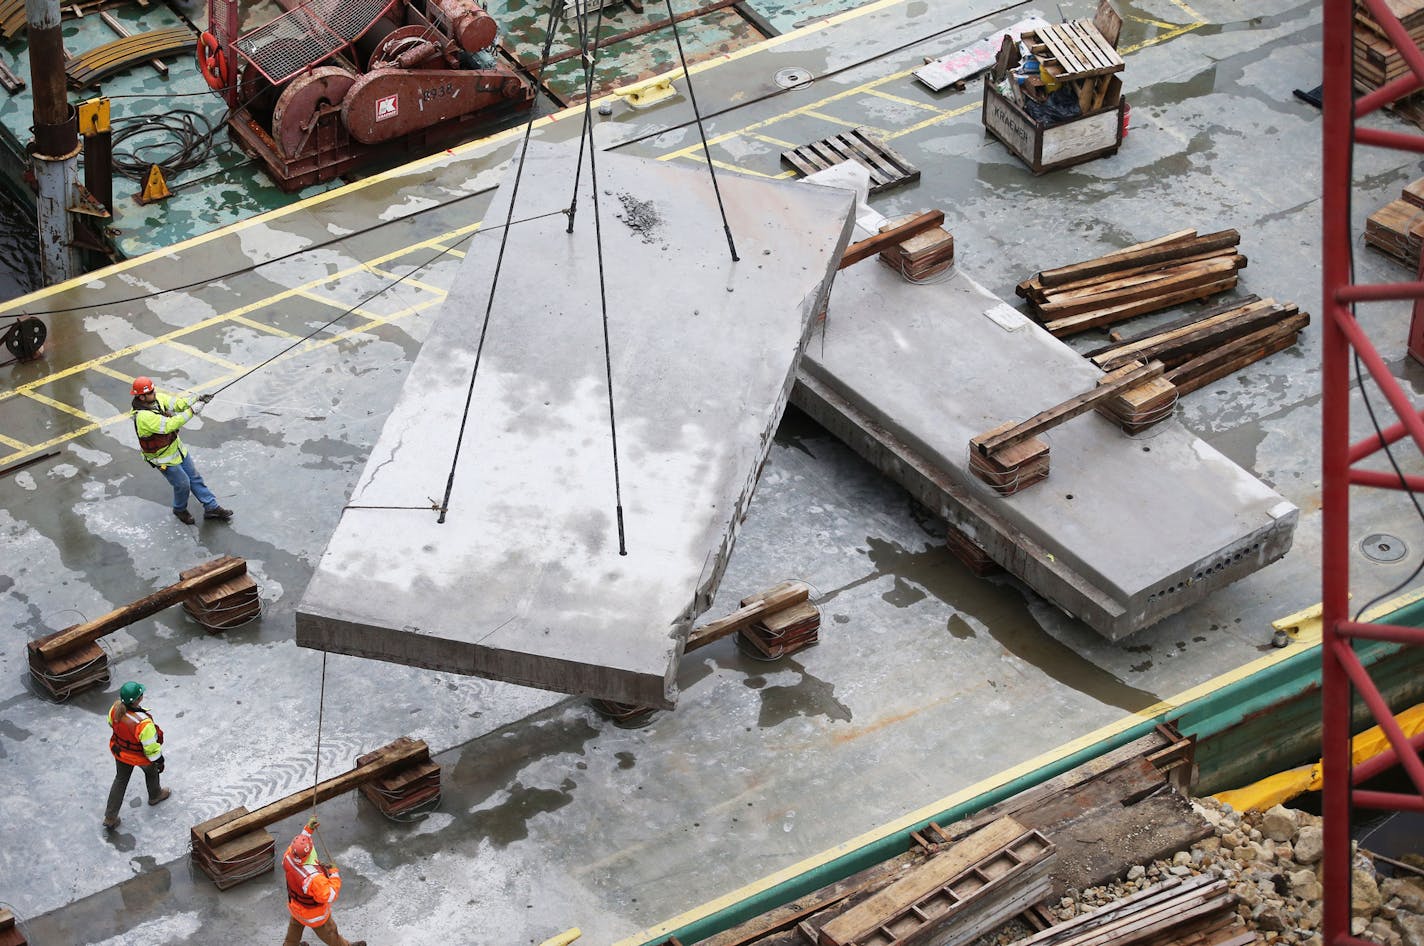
<point x="136" y="741"/>
<point x="312" y="887"/>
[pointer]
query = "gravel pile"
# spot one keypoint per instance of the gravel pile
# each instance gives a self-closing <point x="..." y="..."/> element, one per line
<point x="1272" y="861"/>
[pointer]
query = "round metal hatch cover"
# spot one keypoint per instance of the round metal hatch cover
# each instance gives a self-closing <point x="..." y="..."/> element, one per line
<point x="793" y="78"/>
<point x="1382" y="547"/>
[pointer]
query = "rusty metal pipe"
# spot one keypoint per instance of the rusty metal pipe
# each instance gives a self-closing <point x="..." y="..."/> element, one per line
<point x="47" y="64"/>
<point x="55" y="150"/>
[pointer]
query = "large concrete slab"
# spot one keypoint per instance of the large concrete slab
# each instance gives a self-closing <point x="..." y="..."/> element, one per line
<point x="524" y="580"/>
<point x="1125" y="531"/>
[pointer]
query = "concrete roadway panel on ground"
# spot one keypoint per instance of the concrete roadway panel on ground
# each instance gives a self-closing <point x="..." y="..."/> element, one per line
<point x="526" y="577"/>
<point x="928" y="683"/>
<point x="1125" y="530"/>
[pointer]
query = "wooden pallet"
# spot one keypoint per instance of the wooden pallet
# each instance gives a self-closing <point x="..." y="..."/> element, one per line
<point x="92" y="67"/>
<point x="886" y="166"/>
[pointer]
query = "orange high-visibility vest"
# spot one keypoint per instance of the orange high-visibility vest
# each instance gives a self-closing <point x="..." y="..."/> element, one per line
<point x="125" y="743"/>
<point x="310" y="890"/>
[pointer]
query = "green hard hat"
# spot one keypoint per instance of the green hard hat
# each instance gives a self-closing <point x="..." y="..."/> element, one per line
<point x="131" y="693"/>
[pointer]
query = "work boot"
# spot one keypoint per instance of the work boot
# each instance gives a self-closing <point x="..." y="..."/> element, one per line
<point x="184" y="516"/>
<point x="160" y="796"/>
<point x="111" y="822"/>
<point x="217" y="512"/>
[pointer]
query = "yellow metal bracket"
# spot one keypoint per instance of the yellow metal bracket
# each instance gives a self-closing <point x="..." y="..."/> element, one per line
<point x="647" y="93"/>
<point x="154" y="187"/>
<point x="94" y="117"/>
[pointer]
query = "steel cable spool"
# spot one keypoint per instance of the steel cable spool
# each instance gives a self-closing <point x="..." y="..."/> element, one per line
<point x="25" y="338"/>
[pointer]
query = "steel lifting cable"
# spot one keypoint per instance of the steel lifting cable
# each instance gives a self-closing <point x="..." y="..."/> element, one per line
<point x="554" y="10"/>
<point x="702" y="133"/>
<point x="589" y="59"/>
<point x="316" y="774"/>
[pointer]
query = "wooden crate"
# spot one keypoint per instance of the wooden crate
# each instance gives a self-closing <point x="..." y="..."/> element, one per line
<point x="1048" y="148"/>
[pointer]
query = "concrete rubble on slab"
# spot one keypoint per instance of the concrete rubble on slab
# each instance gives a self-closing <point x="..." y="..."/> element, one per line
<point x="524" y="580"/>
<point x="1125" y="531"/>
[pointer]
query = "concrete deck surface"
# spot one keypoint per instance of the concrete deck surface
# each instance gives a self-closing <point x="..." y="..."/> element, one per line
<point x="926" y="681"/>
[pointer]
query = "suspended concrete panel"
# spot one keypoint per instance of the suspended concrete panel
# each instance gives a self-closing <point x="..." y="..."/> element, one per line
<point x="524" y="581"/>
<point x="1125" y="530"/>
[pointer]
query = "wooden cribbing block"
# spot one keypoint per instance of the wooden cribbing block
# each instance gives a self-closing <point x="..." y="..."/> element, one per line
<point x="76" y="670"/>
<point x="969" y="552"/>
<point x="388" y="758"/>
<point x="1012" y="468"/>
<point x="888" y="238"/>
<point x="10" y="934"/>
<point x="208" y="575"/>
<point x="1137" y="408"/>
<point x="786" y="631"/>
<point x="752" y="609"/>
<point x="996" y="440"/>
<point x="398" y="790"/>
<point x="866" y="916"/>
<point x="231" y="862"/>
<point x="229" y="604"/>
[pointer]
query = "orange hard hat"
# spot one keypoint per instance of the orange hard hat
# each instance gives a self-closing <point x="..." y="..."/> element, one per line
<point x="301" y="845"/>
<point x="142" y="386"/>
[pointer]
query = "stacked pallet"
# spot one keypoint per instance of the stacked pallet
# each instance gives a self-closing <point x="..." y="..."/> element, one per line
<point x="1376" y="60"/>
<point x="784" y="632"/>
<point x="399" y="792"/>
<point x="956" y="896"/>
<point x="230" y="604"/>
<point x="1397" y="228"/>
<point x="1196" y="351"/>
<point x="923" y="255"/>
<point x="1146" y="277"/>
<point x="1199" y="911"/>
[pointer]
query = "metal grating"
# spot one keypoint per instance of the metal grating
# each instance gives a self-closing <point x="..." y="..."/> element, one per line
<point x="308" y="35"/>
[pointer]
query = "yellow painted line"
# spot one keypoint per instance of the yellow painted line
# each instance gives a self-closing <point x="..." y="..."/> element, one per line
<point x="116" y="375"/>
<point x="891" y="97"/>
<point x="270" y="329"/>
<point x="12" y="444"/>
<point x="1151" y="22"/>
<point x="1308" y="633"/>
<point x="206" y="356"/>
<point x="59" y="405"/>
<point x="952" y="113"/>
<point x="727" y="166"/>
<point x="458" y="254"/>
<point x="843" y="122"/>
<point x="387" y="274"/>
<point x="784" y="145"/>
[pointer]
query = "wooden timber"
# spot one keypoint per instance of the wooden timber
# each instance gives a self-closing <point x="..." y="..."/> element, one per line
<point x="1197" y="289"/>
<point x="986" y="444"/>
<point x="777" y="598"/>
<point x="1147" y="285"/>
<point x="1217" y="327"/>
<point x="1222" y="240"/>
<point x="885" y="239"/>
<point x="1237" y="354"/>
<point x="214" y="573"/>
<point x="937" y="871"/>
<point x="401" y="753"/>
<point x="1125" y="338"/>
<point x="97" y="64"/>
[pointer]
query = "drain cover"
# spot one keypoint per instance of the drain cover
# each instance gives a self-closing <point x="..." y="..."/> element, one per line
<point x="1382" y="547"/>
<point x="793" y="78"/>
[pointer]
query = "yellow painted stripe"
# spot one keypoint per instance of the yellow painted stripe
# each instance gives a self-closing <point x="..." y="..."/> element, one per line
<point x="407" y="281"/>
<point x="59" y="405"/>
<point x="890" y="97"/>
<point x="116" y="375"/>
<point x="733" y="168"/>
<point x="784" y="145"/>
<point x="206" y="356"/>
<point x="1308" y="633"/>
<point x="261" y="327"/>
<point x="11" y="443"/>
<point x="977" y="103"/>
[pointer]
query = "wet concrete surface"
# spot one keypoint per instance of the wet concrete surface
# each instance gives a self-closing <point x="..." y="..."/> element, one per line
<point x="927" y="680"/>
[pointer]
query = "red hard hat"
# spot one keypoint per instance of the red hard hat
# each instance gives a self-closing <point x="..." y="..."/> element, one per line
<point x="301" y="845"/>
<point x="142" y="386"/>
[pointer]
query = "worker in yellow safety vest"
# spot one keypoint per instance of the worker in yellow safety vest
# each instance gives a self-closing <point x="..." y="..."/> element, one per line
<point x="312" y="887"/>
<point x="157" y="418"/>
<point x="135" y="741"/>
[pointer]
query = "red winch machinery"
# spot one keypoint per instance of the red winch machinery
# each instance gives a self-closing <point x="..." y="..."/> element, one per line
<point x="330" y="84"/>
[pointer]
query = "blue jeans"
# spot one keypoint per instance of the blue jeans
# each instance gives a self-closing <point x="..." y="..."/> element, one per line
<point x="184" y="477"/>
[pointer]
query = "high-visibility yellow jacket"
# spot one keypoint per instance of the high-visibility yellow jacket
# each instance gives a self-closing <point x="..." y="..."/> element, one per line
<point x="157" y="429"/>
<point x="136" y="739"/>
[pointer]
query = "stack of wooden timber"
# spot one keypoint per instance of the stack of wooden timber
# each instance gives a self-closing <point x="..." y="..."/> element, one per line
<point x="1397" y="228"/>
<point x="236" y="846"/>
<point x="398" y="792"/>
<point x="970" y="552"/>
<point x="10" y="934"/>
<point x="1102" y="817"/>
<point x="921" y="256"/>
<point x="1143" y="278"/>
<point x="1196" y="350"/>
<point x="956" y="896"/>
<point x="1012" y="468"/>
<point x="1197" y="912"/>
<point x="1376" y="59"/>
<point x="784" y="632"/>
<point x="223" y="606"/>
